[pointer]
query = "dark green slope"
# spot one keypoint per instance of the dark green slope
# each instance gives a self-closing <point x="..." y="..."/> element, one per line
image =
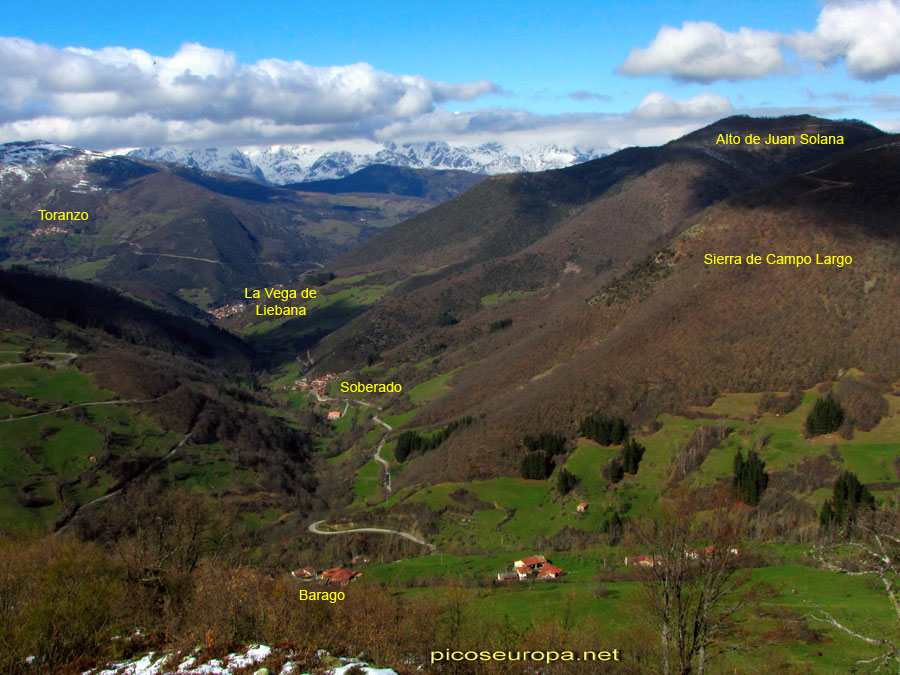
<point x="100" y="392"/>
<point x="195" y="236"/>
<point x="431" y="184"/>
<point x="508" y="214"/>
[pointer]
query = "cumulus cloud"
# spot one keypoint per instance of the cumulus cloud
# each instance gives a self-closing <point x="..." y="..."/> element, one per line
<point x="658" y="106"/>
<point x="701" y="51"/>
<point x="199" y="89"/>
<point x="866" y="35"/>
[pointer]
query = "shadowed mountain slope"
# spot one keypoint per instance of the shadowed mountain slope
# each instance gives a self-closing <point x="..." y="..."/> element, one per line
<point x="613" y="304"/>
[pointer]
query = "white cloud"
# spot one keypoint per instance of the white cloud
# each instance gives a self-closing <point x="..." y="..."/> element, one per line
<point x="75" y="88"/>
<point x="701" y="51"/>
<point x="658" y="106"/>
<point x="866" y="35"/>
<point x="657" y="119"/>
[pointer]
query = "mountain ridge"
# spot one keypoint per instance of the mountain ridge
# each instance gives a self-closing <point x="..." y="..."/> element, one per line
<point x="284" y="164"/>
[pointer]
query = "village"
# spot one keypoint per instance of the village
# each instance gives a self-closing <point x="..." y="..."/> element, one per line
<point x="44" y="231"/>
<point x="334" y="575"/>
<point x="228" y="310"/>
<point x="318" y="386"/>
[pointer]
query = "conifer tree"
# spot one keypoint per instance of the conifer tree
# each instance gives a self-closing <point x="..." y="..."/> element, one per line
<point x="631" y="455"/>
<point x="565" y="481"/>
<point x="848" y="499"/>
<point x="750" y="479"/>
<point x="826" y="416"/>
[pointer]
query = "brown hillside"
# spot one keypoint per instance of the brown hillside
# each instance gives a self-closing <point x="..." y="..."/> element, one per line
<point x="661" y="329"/>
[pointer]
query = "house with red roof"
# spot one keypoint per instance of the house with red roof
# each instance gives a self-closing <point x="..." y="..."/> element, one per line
<point x="530" y="565"/>
<point x="549" y="571"/>
<point x="338" y="575"/>
<point x="643" y="561"/>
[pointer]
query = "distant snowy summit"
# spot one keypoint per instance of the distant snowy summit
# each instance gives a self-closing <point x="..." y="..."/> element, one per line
<point x="283" y="164"/>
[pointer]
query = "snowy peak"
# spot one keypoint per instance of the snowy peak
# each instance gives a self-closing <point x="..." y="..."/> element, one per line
<point x="220" y="160"/>
<point x="32" y="154"/>
<point x="285" y="164"/>
<point x="23" y="159"/>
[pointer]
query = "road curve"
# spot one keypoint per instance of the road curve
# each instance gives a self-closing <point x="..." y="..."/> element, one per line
<point x="387" y="467"/>
<point x="79" y="405"/>
<point x="71" y="357"/>
<point x="314" y="528"/>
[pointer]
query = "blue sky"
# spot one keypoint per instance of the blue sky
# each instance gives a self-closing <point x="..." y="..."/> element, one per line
<point x="601" y="74"/>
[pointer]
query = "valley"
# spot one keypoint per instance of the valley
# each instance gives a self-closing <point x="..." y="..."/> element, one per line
<point x="570" y="365"/>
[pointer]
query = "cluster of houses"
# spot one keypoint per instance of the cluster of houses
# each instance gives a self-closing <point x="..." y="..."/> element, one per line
<point x="535" y="566"/>
<point x="44" y="231"/>
<point x="335" y="575"/>
<point x="228" y="310"/>
<point x="656" y="561"/>
<point x="318" y="385"/>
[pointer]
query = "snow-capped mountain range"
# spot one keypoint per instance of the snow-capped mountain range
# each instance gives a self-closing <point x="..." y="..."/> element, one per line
<point x="65" y="164"/>
<point x="283" y="164"/>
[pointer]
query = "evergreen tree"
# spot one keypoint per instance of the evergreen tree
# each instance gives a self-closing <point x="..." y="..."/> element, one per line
<point x="565" y="481"/>
<point x="750" y="479"/>
<point x="826" y="416"/>
<point x="606" y="430"/>
<point x="613" y="470"/>
<point x="552" y="444"/>
<point x="631" y="455"/>
<point x="848" y="499"/>
<point x="537" y="466"/>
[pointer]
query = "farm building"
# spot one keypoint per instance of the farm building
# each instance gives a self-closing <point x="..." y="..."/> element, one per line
<point x="337" y="575"/>
<point x="549" y="571"/>
<point x="582" y="507"/>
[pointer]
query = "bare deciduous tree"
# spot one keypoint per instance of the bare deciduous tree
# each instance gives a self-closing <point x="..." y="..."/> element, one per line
<point x="874" y="554"/>
<point x="693" y="580"/>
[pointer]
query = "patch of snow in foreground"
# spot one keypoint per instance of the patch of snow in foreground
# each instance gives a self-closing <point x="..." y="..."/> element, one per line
<point x="155" y="664"/>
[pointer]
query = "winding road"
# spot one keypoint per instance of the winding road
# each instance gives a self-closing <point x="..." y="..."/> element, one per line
<point x="314" y="528"/>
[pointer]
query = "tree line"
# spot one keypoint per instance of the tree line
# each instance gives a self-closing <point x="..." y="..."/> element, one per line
<point x="411" y="441"/>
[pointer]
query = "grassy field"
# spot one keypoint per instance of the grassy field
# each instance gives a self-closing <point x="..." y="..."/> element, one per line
<point x="583" y="597"/>
<point x="87" y="270"/>
<point x="401" y="419"/>
<point x="509" y="296"/>
<point x="366" y="483"/>
<point x="55" y="385"/>
<point x="522" y="510"/>
<point x="429" y="389"/>
<point x="44" y="453"/>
